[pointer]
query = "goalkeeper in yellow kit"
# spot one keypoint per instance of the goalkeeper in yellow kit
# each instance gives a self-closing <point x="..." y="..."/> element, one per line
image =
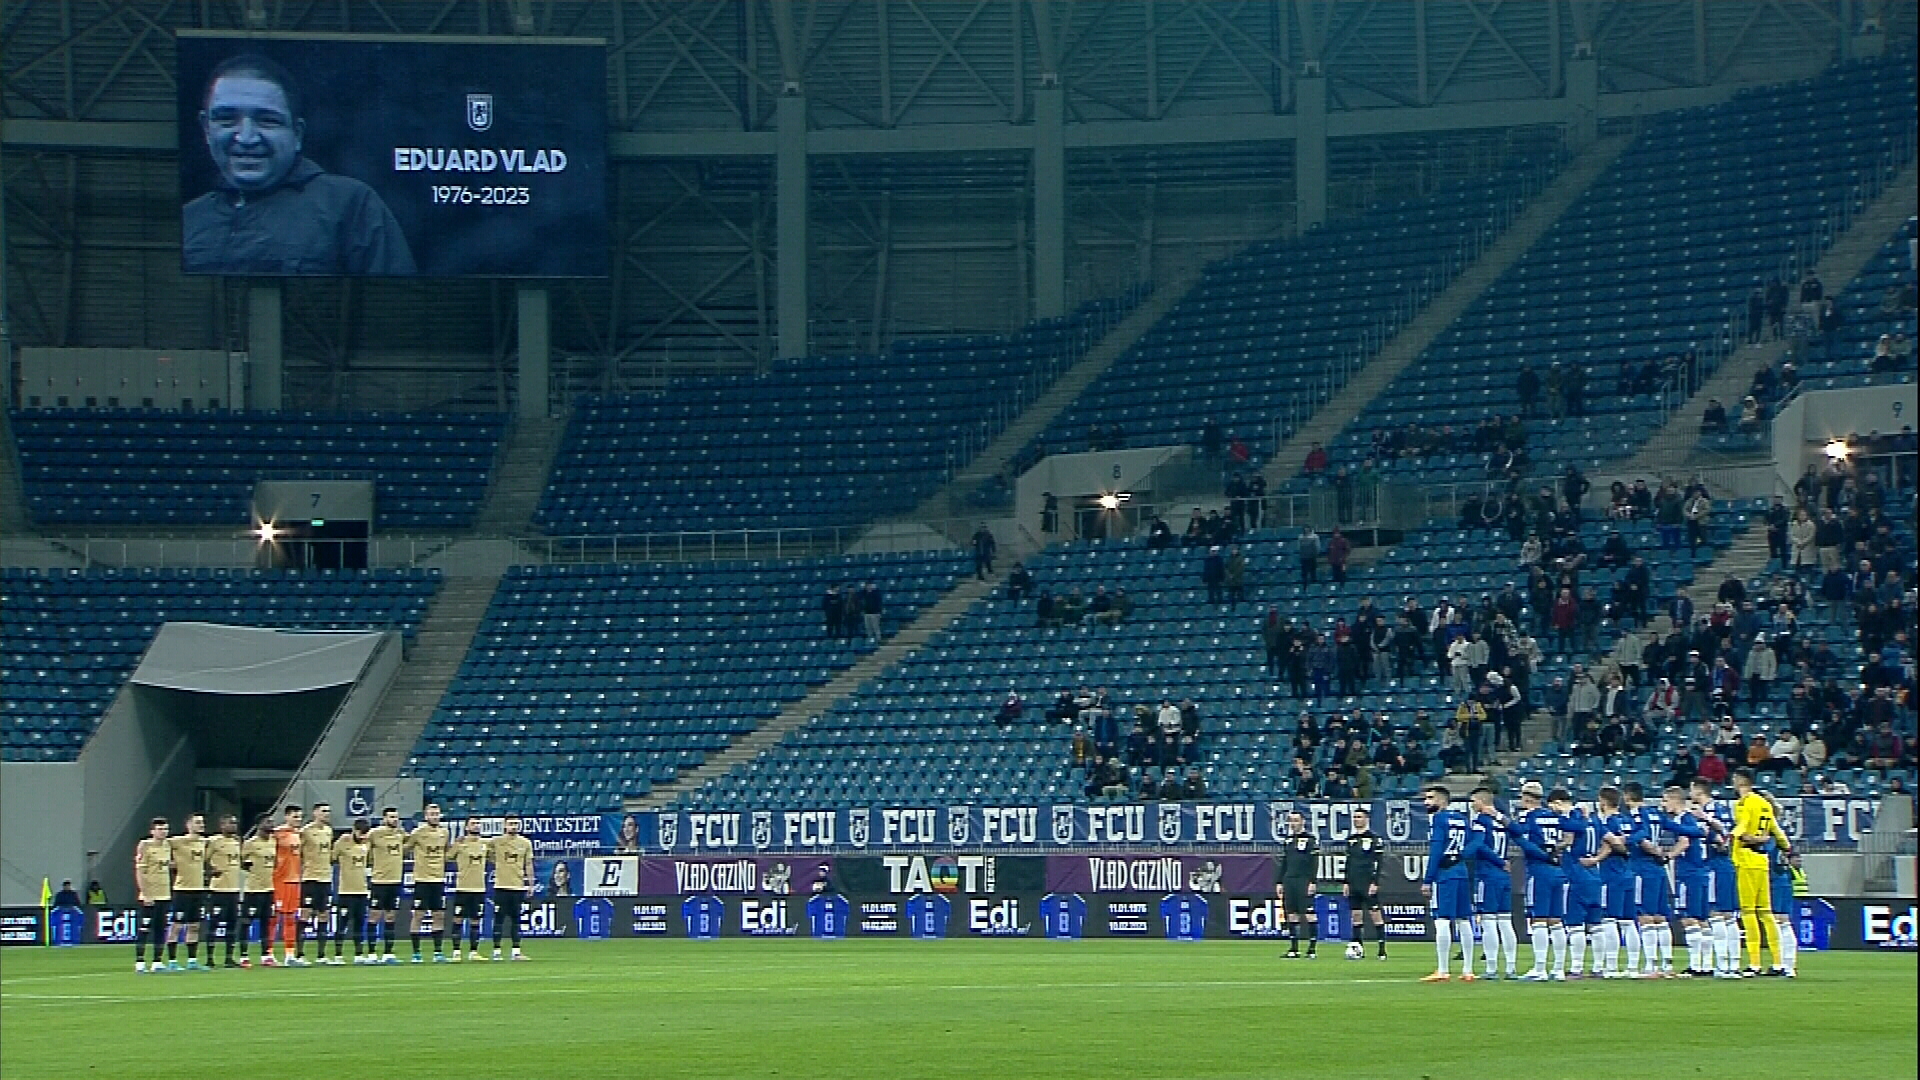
<point x="1754" y="826"/>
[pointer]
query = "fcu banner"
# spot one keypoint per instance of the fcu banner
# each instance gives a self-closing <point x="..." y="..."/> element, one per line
<point x="1820" y="822"/>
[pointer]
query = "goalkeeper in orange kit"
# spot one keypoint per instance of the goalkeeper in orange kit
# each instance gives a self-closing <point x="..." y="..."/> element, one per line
<point x="286" y="889"/>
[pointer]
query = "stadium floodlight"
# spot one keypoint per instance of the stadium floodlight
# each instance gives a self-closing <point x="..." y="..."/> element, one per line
<point x="1838" y="450"/>
<point x="266" y="531"/>
<point x="1112" y="499"/>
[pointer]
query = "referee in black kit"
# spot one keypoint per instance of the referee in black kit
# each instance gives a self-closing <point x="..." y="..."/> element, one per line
<point x="1364" y="852"/>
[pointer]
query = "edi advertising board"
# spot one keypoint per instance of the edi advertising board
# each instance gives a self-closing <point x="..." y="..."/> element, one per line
<point x="924" y="896"/>
<point x="334" y="156"/>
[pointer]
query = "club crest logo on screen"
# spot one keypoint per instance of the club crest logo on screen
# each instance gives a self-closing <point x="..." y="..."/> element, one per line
<point x="479" y="111"/>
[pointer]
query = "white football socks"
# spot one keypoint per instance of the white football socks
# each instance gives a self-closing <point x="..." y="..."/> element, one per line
<point x="1699" y="954"/>
<point x="1557" y="948"/>
<point x="1630" y="937"/>
<point x="1577" y="950"/>
<point x="1443" y="943"/>
<point x="1463" y="929"/>
<point x="1606" y="948"/>
<point x="1510" y="944"/>
<point x="1538" y="932"/>
<point x="1789" y="944"/>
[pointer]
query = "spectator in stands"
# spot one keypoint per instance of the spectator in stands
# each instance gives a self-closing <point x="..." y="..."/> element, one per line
<point x="834" y="610"/>
<point x="1307" y="548"/>
<point x="1050" y="514"/>
<point x="1712" y="767"/>
<point x="1343" y="496"/>
<point x="1213" y="574"/>
<point x="1339" y="549"/>
<point x="1296" y="662"/>
<point x="1573" y="488"/>
<point x="1159" y="535"/>
<point x="1814" y="751"/>
<point x="872" y="605"/>
<point x="1019" y="582"/>
<point x="1558" y="698"/>
<point x="1211" y="439"/>
<point x="1236" y="575"/>
<point x="1556" y="385"/>
<point x="1686" y="765"/>
<point x="1828" y="535"/>
<point x="1529" y="388"/>
<point x="1699" y="514"/>
<point x="850" y="611"/>
<point x="1752" y="415"/>
<point x="1759" y="754"/>
<point x="1887" y="749"/>
<point x="984" y="548"/>
<point x="1756" y="313"/>
<point x="1317" y="460"/>
<point x="1778" y="519"/>
<point x="1565" y="620"/>
<point x="1784" y="752"/>
<point x="1885" y="358"/>
<point x="1322" y="660"/>
<point x="1663" y="702"/>
<point x="1777" y="294"/>
<point x="1669" y="514"/>
<point x="1714" y="420"/>
<point x="1761" y="668"/>
<point x="96" y="896"/>
<point x="1583" y="699"/>
<point x="1010" y="710"/>
<point x="1068" y="610"/>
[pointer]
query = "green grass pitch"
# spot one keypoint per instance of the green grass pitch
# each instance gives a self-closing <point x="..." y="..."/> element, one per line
<point x="960" y="1008"/>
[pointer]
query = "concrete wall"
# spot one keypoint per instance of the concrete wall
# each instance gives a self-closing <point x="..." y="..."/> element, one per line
<point x="354" y="709"/>
<point x="1817" y="417"/>
<point x="41" y="809"/>
<point x="137" y="766"/>
<point x="1070" y="476"/>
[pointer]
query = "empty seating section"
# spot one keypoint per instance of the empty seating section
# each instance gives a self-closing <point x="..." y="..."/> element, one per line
<point x="153" y="467"/>
<point x="924" y="729"/>
<point x="587" y="683"/>
<point x="71" y="638"/>
<point x="1652" y="260"/>
<point x="819" y="441"/>
<point x="1259" y="334"/>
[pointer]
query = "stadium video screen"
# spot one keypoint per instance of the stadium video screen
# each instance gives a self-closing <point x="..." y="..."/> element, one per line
<point x="330" y="156"/>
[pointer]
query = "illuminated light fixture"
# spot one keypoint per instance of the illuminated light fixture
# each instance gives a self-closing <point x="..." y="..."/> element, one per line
<point x="266" y="532"/>
<point x="1838" y="450"/>
<point x="1112" y="500"/>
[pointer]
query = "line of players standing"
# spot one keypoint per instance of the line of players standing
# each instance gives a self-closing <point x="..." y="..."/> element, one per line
<point x="1613" y="879"/>
<point x="280" y="881"/>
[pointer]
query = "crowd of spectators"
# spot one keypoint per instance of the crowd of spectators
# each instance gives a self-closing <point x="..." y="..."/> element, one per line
<point x="853" y="612"/>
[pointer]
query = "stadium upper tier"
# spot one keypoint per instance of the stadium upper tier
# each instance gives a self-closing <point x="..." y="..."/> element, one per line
<point x="154" y="467"/>
<point x="819" y="441"/>
<point x="72" y="638"/>
<point x="1259" y="334"/>
<point x="925" y="729"/>
<point x="587" y="683"/>
<point x="1653" y="260"/>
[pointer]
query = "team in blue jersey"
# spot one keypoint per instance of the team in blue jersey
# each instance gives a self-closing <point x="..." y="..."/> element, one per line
<point x="1613" y="879"/>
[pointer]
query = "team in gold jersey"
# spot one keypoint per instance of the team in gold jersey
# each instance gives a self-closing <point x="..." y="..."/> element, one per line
<point x="193" y="887"/>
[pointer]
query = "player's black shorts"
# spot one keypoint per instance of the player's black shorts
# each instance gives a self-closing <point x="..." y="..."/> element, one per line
<point x="429" y="895"/>
<point x="506" y="907"/>
<point x="385" y="897"/>
<point x="257" y="906"/>
<point x="351" y="910"/>
<point x="316" y="895"/>
<point x="189" y="905"/>
<point x="153" y="916"/>
<point x="223" y="907"/>
<point x="469" y="905"/>
<point x="1359" y="898"/>
<point x="1293" y="896"/>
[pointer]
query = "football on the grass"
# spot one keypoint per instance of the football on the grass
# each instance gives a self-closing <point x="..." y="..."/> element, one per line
<point x="1356" y="951"/>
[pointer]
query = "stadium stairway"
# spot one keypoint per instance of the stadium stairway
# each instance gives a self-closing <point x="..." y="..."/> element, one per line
<point x="445" y="634"/>
<point x="1676" y="442"/>
<point x="745" y="748"/>
<point x="520" y="477"/>
<point x="1404" y="347"/>
<point x="950" y="501"/>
